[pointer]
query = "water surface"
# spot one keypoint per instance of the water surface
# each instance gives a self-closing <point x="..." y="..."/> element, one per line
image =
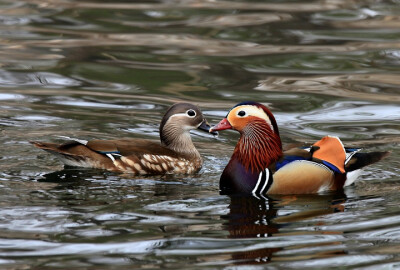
<point x="105" y="69"/>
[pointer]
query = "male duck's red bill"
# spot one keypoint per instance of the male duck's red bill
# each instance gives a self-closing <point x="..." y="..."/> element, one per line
<point x="258" y="165"/>
<point x="175" y="155"/>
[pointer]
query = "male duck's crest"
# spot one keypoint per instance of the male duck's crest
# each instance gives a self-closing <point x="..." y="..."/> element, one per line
<point x="175" y="154"/>
<point x="258" y="165"/>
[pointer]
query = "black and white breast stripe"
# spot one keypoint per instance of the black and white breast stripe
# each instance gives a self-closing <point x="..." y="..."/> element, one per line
<point x="263" y="183"/>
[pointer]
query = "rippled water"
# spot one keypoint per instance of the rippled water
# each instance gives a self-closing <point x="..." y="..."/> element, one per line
<point x="106" y="69"/>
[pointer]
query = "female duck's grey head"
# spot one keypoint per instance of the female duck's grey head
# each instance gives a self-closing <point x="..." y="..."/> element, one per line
<point x="179" y="119"/>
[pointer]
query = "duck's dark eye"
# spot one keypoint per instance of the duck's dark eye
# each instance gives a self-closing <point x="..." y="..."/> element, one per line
<point x="191" y="113"/>
<point x="241" y="113"/>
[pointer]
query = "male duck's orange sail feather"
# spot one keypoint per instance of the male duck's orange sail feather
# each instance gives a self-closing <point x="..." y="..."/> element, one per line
<point x="332" y="151"/>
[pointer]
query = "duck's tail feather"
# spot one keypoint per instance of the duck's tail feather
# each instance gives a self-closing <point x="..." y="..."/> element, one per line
<point x="71" y="153"/>
<point x="68" y="148"/>
<point x="359" y="160"/>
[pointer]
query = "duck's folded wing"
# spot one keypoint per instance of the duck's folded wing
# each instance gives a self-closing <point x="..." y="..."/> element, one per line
<point x="290" y="156"/>
<point x="129" y="147"/>
<point x="142" y="156"/>
<point x="128" y="155"/>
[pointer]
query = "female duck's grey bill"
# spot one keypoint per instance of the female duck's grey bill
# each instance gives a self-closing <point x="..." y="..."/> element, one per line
<point x="205" y="126"/>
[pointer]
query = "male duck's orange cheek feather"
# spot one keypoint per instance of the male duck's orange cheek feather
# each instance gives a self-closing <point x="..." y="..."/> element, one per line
<point x="241" y="123"/>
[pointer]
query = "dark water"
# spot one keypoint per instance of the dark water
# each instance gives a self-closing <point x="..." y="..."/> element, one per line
<point x="106" y="69"/>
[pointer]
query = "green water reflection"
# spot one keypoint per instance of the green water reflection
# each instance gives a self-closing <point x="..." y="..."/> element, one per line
<point x="106" y="69"/>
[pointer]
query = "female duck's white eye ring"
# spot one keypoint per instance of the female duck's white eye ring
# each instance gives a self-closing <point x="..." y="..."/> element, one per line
<point x="191" y="113"/>
<point x="241" y="113"/>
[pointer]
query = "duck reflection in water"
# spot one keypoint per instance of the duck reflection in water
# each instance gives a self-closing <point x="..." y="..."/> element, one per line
<point x="72" y="175"/>
<point x="251" y="217"/>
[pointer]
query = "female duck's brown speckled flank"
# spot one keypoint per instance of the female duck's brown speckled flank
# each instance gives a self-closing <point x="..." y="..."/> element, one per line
<point x="175" y="155"/>
<point x="258" y="165"/>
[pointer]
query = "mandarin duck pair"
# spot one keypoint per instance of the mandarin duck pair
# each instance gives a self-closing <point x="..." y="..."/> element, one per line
<point x="258" y="165"/>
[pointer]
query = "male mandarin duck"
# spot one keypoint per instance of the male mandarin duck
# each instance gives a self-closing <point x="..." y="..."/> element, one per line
<point x="259" y="166"/>
<point x="175" y="155"/>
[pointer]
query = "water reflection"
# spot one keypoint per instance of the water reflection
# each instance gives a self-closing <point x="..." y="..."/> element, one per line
<point x="237" y="5"/>
<point x="182" y="44"/>
<point x="349" y="86"/>
<point x="377" y="22"/>
<point x="250" y="217"/>
<point x="221" y="21"/>
<point x="43" y="79"/>
<point x="106" y="69"/>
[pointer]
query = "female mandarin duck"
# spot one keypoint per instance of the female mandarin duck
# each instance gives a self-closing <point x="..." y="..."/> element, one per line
<point x="258" y="165"/>
<point x="175" y="154"/>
